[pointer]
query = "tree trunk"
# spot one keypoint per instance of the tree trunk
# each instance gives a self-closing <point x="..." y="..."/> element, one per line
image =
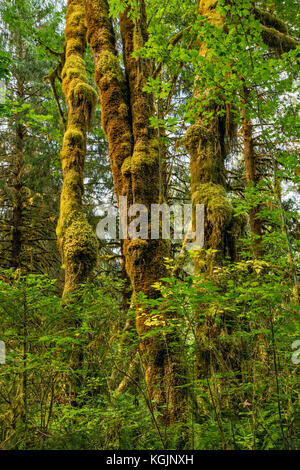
<point x="17" y="217"/>
<point x="251" y="175"/>
<point x="77" y="241"/>
<point x="135" y="161"/>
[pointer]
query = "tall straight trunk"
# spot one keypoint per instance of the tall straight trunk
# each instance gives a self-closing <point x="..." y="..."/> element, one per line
<point x="135" y="161"/>
<point x="18" y="170"/>
<point x="77" y="241"/>
<point x="17" y="216"/>
<point x="251" y="174"/>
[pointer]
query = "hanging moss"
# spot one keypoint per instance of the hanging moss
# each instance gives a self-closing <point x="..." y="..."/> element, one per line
<point x="270" y="20"/>
<point x="194" y="134"/>
<point x="278" y="41"/>
<point x="217" y="207"/>
<point x="84" y="92"/>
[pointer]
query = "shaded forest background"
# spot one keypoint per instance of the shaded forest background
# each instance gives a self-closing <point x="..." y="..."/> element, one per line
<point x="142" y="344"/>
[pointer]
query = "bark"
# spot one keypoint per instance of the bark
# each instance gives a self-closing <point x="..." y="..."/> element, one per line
<point x="76" y="239"/>
<point x="17" y="216"/>
<point x="135" y="161"/>
<point x="251" y="176"/>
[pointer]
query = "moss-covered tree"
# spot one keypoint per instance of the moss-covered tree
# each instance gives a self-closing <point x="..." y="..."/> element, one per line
<point x="77" y="240"/>
<point x="135" y="161"/>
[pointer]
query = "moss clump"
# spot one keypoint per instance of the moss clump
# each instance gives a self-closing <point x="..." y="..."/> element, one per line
<point x="139" y="252"/>
<point x="73" y="136"/>
<point x="142" y="158"/>
<point x="217" y="207"/>
<point x="74" y="68"/>
<point x="80" y="242"/>
<point x="85" y="97"/>
<point x="76" y="18"/>
<point x="109" y="67"/>
<point x="143" y="155"/>
<point x="194" y="135"/>
<point x="84" y="92"/>
<point x="126" y="167"/>
<point x="213" y="196"/>
<point x="75" y="22"/>
<point x="74" y="45"/>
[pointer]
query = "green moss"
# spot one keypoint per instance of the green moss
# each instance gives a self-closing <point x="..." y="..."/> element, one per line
<point x="269" y="20"/>
<point x="126" y="167"/>
<point x="76" y="17"/>
<point x="109" y="67"/>
<point x="83" y="95"/>
<point x="213" y="196"/>
<point x="278" y="41"/>
<point x="73" y="136"/>
<point x="80" y="242"/>
<point x="84" y="92"/>
<point x="74" y="45"/>
<point x="142" y="158"/>
<point x="218" y="210"/>
<point x="193" y="135"/>
<point x="144" y="155"/>
<point x="74" y="68"/>
<point x="75" y="21"/>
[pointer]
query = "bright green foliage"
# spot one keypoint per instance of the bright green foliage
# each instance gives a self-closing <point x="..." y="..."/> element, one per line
<point x="241" y="320"/>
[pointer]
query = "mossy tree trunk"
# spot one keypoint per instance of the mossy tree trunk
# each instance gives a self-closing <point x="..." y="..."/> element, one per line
<point x="77" y="241"/>
<point x="134" y="156"/>
<point x="205" y="143"/>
